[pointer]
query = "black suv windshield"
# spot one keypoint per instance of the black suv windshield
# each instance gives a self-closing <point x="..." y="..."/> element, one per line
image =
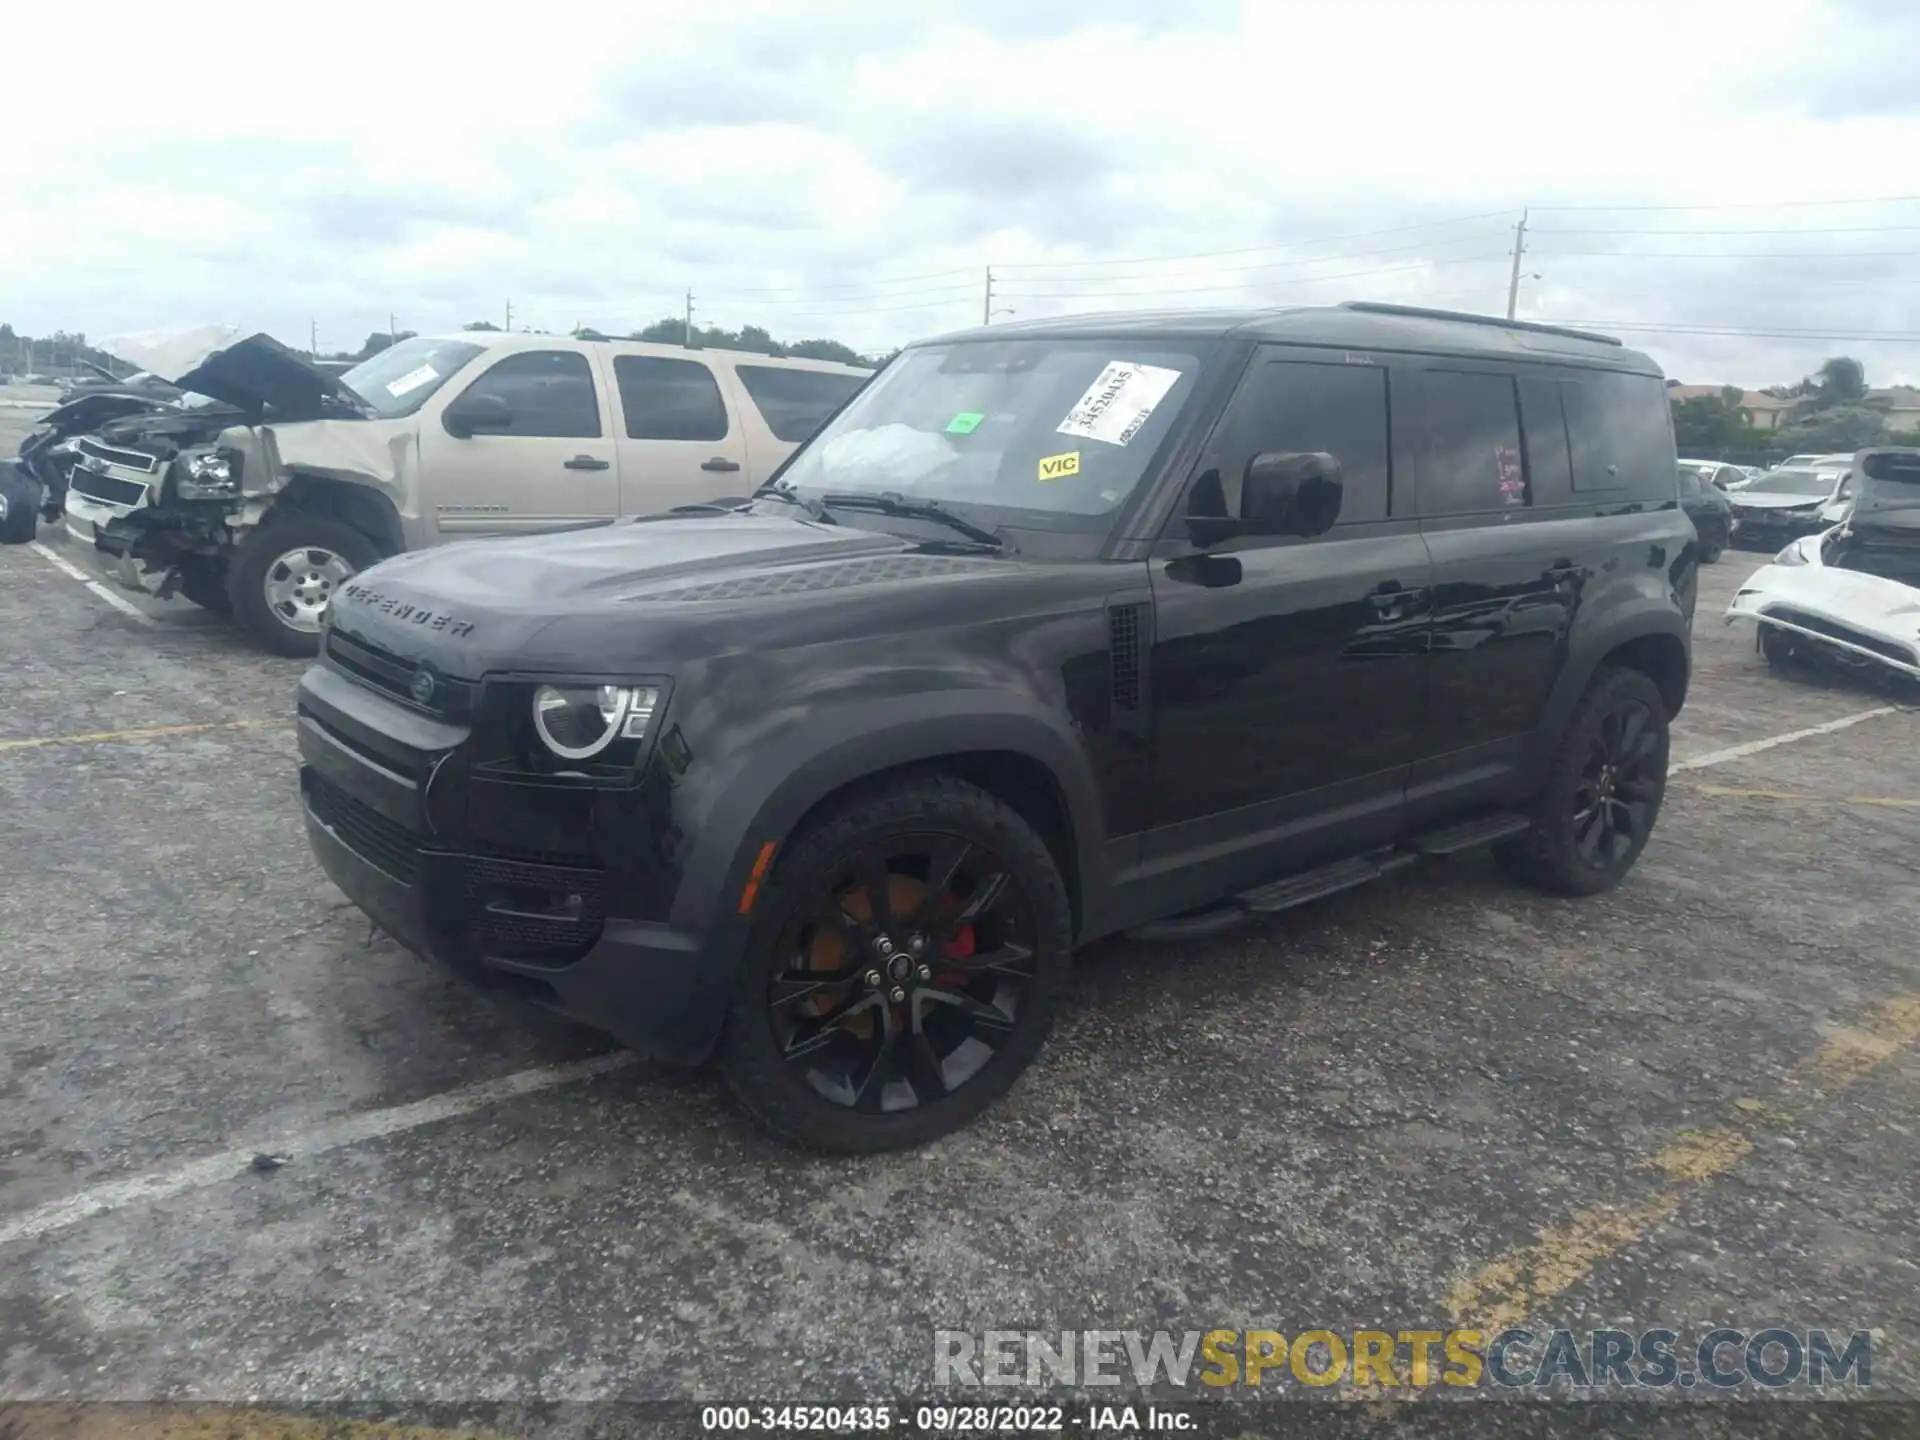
<point x="399" y="379"/>
<point x="1058" y="427"/>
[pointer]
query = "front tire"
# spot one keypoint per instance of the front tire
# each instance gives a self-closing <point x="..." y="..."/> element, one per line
<point x="1603" y="791"/>
<point x="283" y="575"/>
<point x="909" y="954"/>
<point x="21" y="500"/>
<point x="203" y="580"/>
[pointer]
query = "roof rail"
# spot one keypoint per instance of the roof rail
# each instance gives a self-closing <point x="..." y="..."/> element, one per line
<point x="1380" y="307"/>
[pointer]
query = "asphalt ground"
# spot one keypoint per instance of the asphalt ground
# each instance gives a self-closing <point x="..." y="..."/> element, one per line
<point x="1441" y="1101"/>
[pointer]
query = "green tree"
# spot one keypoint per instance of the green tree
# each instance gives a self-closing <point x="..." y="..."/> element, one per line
<point x="479" y="325"/>
<point x="1840" y="381"/>
<point x="1713" y="422"/>
<point x="1845" y="428"/>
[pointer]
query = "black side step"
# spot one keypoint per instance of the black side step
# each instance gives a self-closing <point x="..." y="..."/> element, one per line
<point x="1469" y="834"/>
<point x="1292" y="890"/>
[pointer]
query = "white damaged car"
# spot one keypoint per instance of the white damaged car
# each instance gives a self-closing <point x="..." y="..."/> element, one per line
<point x="1849" y="594"/>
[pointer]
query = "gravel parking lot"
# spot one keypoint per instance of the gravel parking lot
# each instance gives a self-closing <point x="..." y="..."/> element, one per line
<point x="1438" y="1101"/>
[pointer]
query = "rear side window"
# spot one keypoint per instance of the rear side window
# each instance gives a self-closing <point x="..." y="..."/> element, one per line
<point x="795" y="403"/>
<point x="666" y="399"/>
<point x="1543" y="439"/>
<point x="546" y="392"/>
<point x="1299" y="406"/>
<point x="1466" y="444"/>
<point x="1621" y="432"/>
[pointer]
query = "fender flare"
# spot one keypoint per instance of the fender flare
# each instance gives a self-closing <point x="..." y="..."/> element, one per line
<point x="1638" y="622"/>
<point x="361" y="506"/>
<point x="839" y="747"/>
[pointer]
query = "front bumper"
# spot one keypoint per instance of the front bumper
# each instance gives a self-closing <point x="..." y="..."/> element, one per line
<point x="1771" y="529"/>
<point x="385" y="795"/>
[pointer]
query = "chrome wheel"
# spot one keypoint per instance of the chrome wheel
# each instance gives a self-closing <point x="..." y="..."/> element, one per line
<point x="299" y="584"/>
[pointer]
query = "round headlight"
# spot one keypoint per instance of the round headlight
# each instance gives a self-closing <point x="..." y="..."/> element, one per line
<point x="577" y="724"/>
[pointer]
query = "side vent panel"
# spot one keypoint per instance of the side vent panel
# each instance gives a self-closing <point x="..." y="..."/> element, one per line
<point x="1126" y="640"/>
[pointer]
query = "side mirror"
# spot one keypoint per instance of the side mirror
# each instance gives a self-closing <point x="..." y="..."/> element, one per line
<point x="471" y="414"/>
<point x="1286" y="493"/>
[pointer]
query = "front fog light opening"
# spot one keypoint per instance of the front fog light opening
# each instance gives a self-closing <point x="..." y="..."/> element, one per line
<point x="579" y="722"/>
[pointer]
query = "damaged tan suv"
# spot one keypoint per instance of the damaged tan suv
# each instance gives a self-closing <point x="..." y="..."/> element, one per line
<point x="299" y="478"/>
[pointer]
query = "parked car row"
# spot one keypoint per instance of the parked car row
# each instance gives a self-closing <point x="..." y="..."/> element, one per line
<point x="261" y="482"/>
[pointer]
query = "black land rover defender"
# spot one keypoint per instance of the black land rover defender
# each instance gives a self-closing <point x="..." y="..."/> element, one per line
<point x="1057" y="629"/>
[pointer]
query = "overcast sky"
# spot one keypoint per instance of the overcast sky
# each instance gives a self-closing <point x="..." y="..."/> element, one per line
<point x="849" y="168"/>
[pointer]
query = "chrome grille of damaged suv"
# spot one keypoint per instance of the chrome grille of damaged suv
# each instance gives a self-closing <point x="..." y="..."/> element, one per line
<point x="110" y="455"/>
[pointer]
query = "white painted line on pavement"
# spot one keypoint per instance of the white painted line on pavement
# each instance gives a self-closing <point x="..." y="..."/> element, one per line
<point x="348" y="1130"/>
<point x="67" y="567"/>
<point x="1754" y="747"/>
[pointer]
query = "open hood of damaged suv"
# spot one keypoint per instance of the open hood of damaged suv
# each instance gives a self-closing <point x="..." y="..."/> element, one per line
<point x="260" y="376"/>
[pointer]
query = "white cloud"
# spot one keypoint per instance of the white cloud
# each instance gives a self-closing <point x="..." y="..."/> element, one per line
<point x="849" y="169"/>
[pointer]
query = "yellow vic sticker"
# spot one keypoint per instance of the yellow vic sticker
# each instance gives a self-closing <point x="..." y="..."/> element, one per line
<point x="1058" y="467"/>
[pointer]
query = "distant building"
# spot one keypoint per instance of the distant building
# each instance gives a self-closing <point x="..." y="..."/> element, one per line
<point x="1763" y="411"/>
<point x="1901" y="404"/>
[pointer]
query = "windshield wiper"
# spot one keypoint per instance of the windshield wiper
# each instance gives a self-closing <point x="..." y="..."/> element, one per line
<point x="892" y="502"/>
<point x="781" y="490"/>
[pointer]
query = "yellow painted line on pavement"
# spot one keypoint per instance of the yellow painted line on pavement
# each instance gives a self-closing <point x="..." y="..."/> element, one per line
<point x="1508" y="1288"/>
<point x="145" y="732"/>
<point x="36" y="1420"/>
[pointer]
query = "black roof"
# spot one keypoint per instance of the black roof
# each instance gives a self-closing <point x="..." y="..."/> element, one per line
<point x="1357" y="325"/>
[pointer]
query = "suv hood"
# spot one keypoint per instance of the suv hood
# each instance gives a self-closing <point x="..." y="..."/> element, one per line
<point x="259" y="374"/>
<point x="167" y="353"/>
<point x="485" y="605"/>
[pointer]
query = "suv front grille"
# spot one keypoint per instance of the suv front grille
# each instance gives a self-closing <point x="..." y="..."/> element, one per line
<point x="388" y="847"/>
<point x="392" y="675"/>
<point x="110" y="488"/>
<point x="125" y="459"/>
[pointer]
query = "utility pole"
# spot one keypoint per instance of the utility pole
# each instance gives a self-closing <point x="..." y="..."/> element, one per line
<point x="509" y="314"/>
<point x="986" y="305"/>
<point x="1519" y="249"/>
<point x="687" y="340"/>
<point x="393" y="332"/>
<point x="313" y="339"/>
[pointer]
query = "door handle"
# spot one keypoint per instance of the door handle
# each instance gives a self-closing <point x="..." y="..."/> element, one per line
<point x="1393" y="601"/>
<point x="587" y="462"/>
<point x="721" y="463"/>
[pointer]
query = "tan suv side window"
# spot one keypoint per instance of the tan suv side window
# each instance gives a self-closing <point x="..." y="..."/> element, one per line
<point x="546" y="392"/>
<point x="667" y="399"/>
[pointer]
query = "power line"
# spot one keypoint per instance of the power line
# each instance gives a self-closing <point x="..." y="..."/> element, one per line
<point x="1247" y="249"/>
<point x="854" y="284"/>
<point x="1243" y="269"/>
<point x="1808" y="230"/>
<point x="1748" y="205"/>
<point x="1243" y="285"/>
<point x="1731" y="254"/>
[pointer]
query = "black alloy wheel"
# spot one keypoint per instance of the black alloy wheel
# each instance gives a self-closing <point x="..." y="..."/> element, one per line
<point x="1619" y="786"/>
<point x="1603" y="790"/>
<point x="906" y="972"/>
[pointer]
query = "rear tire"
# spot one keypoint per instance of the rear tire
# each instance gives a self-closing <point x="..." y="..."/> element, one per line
<point x="283" y="574"/>
<point x="1603" y="791"/>
<point x="977" y="958"/>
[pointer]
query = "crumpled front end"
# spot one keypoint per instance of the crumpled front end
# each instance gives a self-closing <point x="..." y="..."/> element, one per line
<point x="1811" y="600"/>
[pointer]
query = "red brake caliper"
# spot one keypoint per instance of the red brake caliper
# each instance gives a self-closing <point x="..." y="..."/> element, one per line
<point x="960" y="947"/>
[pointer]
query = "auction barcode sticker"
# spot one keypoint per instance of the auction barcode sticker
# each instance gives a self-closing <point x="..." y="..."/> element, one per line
<point x="1118" y="403"/>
